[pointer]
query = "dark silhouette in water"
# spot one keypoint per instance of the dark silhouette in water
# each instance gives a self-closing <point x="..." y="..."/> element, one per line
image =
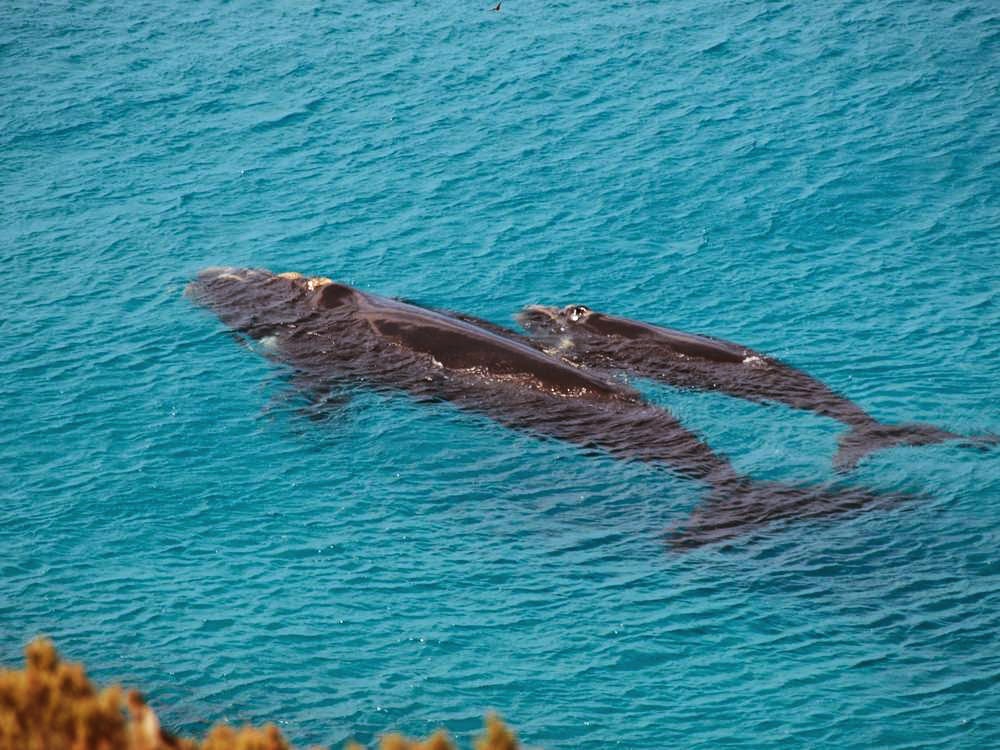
<point x="687" y="360"/>
<point x="332" y="334"/>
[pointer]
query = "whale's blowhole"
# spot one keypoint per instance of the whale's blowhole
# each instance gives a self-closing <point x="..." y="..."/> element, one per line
<point x="332" y="295"/>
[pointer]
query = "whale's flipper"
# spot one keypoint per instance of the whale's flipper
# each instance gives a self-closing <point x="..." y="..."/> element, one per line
<point x="325" y="408"/>
<point x="315" y="399"/>
<point x="734" y="510"/>
<point x="858" y="442"/>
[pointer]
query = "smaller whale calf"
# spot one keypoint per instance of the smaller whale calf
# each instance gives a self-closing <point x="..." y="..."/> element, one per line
<point x="693" y="361"/>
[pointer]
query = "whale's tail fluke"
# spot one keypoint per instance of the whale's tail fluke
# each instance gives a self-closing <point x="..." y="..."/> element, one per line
<point x="733" y="510"/>
<point x="858" y="442"/>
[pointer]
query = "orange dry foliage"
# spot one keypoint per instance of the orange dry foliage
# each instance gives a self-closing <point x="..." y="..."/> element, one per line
<point x="51" y="705"/>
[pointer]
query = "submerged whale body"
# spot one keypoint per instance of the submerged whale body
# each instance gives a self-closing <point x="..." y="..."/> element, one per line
<point x="687" y="360"/>
<point x="333" y="334"/>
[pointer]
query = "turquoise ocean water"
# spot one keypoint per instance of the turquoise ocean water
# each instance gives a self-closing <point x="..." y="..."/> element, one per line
<point x="819" y="181"/>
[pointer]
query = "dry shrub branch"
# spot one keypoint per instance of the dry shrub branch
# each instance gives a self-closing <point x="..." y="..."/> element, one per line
<point x="51" y="705"/>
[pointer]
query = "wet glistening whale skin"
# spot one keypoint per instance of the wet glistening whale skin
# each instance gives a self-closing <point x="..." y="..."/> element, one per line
<point x="687" y="360"/>
<point x="333" y="335"/>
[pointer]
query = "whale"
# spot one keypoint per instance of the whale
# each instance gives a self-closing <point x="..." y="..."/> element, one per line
<point x="693" y="361"/>
<point x="335" y="336"/>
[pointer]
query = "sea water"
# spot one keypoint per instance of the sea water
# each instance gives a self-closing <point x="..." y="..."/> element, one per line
<point x="818" y="181"/>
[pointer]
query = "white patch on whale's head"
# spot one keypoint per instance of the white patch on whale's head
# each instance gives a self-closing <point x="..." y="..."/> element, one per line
<point x="316" y="282"/>
<point x="312" y="283"/>
<point x="576" y="313"/>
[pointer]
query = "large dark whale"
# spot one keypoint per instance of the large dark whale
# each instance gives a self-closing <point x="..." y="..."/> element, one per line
<point x="334" y="334"/>
<point x="687" y="360"/>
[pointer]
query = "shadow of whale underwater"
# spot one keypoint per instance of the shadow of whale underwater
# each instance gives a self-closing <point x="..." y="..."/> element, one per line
<point x="333" y="334"/>
<point x="688" y="360"/>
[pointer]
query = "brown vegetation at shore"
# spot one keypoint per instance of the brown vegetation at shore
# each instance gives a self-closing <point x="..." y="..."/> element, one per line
<point x="51" y="705"/>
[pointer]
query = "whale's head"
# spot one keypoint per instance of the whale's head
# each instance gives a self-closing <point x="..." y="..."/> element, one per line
<point x="580" y="330"/>
<point x="260" y="303"/>
<point x="543" y="320"/>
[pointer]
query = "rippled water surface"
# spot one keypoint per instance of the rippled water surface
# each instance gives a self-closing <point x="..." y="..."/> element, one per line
<point x="817" y="181"/>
